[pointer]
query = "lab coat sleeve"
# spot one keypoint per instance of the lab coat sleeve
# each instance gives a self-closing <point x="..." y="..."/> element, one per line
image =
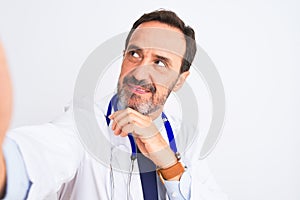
<point x="179" y="190"/>
<point x="17" y="181"/>
<point x="196" y="183"/>
<point x="52" y="154"/>
<point x="203" y="184"/>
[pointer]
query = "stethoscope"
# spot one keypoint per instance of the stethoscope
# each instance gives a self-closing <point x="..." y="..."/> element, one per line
<point x="113" y="105"/>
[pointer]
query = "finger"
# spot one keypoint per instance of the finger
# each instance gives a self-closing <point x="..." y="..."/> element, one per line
<point x="129" y="116"/>
<point x="121" y="123"/>
<point x="142" y="116"/>
<point x="117" y="131"/>
<point x="112" y="117"/>
<point x="116" y="116"/>
<point x="123" y="119"/>
<point x="138" y="119"/>
<point x="123" y="134"/>
<point x="129" y="128"/>
<point x="129" y="111"/>
<point x="113" y="126"/>
<point x="124" y="131"/>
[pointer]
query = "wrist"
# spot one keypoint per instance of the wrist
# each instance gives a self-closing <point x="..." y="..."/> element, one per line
<point x="176" y="178"/>
<point x="165" y="158"/>
<point x="172" y="173"/>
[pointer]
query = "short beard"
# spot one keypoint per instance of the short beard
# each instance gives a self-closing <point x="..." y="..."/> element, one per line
<point x="136" y="102"/>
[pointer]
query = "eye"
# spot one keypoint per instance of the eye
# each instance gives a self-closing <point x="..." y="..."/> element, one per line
<point x="160" y="63"/>
<point x="134" y="54"/>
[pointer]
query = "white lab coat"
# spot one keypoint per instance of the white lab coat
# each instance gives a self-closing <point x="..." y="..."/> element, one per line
<point x="61" y="168"/>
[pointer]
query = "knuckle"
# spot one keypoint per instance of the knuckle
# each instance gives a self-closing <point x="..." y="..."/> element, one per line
<point x="128" y="110"/>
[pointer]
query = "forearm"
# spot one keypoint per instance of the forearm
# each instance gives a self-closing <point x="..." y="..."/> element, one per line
<point x="5" y="113"/>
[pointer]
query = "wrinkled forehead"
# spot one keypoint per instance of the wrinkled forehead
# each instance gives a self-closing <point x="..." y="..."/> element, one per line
<point x="159" y="38"/>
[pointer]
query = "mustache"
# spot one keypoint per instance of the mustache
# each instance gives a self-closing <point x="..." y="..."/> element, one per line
<point x="143" y="83"/>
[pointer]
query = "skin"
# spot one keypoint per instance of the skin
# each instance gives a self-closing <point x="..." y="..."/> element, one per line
<point x="5" y="112"/>
<point x="149" y="67"/>
<point x="150" y="71"/>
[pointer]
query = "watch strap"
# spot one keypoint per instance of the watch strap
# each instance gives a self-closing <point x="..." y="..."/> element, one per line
<point x="171" y="172"/>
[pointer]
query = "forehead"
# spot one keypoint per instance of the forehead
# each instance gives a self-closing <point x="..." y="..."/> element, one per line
<point x="159" y="36"/>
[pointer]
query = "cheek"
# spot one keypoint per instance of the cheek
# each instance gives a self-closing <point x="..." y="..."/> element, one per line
<point x="161" y="89"/>
<point x="123" y="73"/>
<point x="126" y="67"/>
<point x="165" y="83"/>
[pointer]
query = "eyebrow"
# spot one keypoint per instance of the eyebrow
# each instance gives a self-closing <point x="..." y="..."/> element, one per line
<point x="132" y="46"/>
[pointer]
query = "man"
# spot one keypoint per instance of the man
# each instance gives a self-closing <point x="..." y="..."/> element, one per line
<point x="55" y="165"/>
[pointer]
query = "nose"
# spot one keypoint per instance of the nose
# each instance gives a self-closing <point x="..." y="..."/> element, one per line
<point x="144" y="69"/>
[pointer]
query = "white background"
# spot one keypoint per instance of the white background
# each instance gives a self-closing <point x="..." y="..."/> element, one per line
<point x="254" y="44"/>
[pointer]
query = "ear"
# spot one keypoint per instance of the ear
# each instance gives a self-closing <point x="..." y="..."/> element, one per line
<point x="181" y="80"/>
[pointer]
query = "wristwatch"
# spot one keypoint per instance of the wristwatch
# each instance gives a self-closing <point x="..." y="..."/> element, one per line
<point x="171" y="172"/>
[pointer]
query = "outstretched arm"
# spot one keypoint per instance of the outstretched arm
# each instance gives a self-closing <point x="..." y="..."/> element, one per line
<point x="5" y="112"/>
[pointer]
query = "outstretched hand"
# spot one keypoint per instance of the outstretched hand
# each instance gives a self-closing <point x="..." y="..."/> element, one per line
<point x="5" y="112"/>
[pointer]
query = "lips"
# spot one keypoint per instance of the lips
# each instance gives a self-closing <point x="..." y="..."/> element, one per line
<point x="138" y="89"/>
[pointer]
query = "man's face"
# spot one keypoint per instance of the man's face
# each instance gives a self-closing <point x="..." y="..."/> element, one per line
<point x="151" y="67"/>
